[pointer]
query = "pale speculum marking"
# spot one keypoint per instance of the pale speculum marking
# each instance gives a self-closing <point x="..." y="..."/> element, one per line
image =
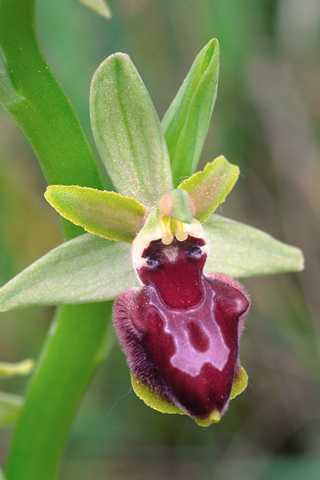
<point x="197" y="341"/>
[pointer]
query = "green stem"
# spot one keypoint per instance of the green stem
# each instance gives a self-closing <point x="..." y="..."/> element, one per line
<point x="30" y="92"/>
<point x="69" y="360"/>
<point x="38" y="104"/>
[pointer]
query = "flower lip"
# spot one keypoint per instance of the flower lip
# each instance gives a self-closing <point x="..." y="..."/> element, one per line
<point x="175" y="270"/>
<point x="187" y="356"/>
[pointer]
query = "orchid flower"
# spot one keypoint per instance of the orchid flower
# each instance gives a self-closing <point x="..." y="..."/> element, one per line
<point x="156" y="246"/>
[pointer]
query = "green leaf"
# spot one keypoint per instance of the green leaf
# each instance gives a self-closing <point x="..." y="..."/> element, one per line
<point x="99" y="6"/>
<point x="243" y="251"/>
<point x="8" y="370"/>
<point x="210" y="187"/>
<point x="86" y="269"/>
<point x="187" y="120"/>
<point x="107" y="214"/>
<point x="10" y="407"/>
<point x="177" y="204"/>
<point x="128" y="133"/>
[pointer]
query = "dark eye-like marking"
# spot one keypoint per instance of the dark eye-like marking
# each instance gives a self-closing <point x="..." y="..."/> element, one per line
<point x="153" y="261"/>
<point x="194" y="251"/>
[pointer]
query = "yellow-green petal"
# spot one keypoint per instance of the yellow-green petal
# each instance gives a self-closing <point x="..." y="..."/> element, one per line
<point x="107" y="214"/>
<point x="210" y="187"/>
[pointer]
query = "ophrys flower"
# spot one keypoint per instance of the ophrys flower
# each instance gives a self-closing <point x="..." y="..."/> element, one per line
<point x="180" y="327"/>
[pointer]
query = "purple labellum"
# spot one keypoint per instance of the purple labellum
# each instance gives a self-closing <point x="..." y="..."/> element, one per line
<point x="180" y="331"/>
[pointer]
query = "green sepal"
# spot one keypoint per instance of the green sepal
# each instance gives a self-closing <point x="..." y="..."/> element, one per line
<point x="128" y="132"/>
<point x="209" y="188"/>
<point x="83" y="270"/>
<point x="9" y="370"/>
<point x="243" y="251"/>
<point x="10" y="407"/>
<point x="177" y="204"/>
<point x="187" y="120"/>
<point x="107" y="214"/>
<point x="98" y="6"/>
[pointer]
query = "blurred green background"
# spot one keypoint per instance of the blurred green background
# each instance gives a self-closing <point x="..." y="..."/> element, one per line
<point x="266" y="120"/>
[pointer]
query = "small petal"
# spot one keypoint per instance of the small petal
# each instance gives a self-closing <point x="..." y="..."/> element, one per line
<point x="107" y="214"/>
<point x="210" y="187"/>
